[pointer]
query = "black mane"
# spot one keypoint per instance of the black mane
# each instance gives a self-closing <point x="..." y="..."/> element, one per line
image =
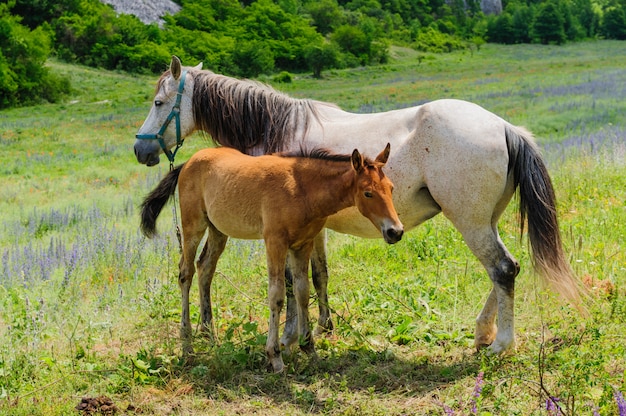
<point x="320" y="154"/>
<point x="243" y="114"/>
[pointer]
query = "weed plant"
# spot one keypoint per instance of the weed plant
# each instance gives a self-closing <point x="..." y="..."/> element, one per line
<point x="89" y="308"/>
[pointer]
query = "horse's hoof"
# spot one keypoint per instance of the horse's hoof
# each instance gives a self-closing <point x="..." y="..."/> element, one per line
<point x="501" y="348"/>
<point x="277" y="365"/>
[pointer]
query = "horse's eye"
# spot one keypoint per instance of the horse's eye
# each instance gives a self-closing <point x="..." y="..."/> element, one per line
<point x="368" y="194"/>
<point x="157" y="103"/>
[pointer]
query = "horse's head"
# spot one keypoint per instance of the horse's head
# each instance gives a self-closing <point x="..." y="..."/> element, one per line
<point x="373" y="196"/>
<point x="172" y="102"/>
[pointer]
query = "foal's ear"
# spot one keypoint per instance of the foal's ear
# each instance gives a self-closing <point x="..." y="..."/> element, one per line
<point x="384" y="155"/>
<point x="357" y="161"/>
<point x="198" y="67"/>
<point x="175" y="67"/>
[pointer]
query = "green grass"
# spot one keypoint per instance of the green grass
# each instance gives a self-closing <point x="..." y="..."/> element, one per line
<point x="93" y="307"/>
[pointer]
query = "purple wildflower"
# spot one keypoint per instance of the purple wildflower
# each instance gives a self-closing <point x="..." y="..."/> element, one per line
<point x="552" y="406"/>
<point x="621" y="403"/>
<point x="478" y="388"/>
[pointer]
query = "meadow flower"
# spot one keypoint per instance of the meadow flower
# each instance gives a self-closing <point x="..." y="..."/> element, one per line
<point x="552" y="406"/>
<point x="621" y="402"/>
<point x="478" y="388"/>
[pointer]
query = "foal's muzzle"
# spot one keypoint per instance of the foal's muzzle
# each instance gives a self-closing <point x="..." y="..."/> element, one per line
<point x="393" y="234"/>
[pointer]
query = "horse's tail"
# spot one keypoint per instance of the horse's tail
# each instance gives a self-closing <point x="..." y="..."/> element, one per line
<point x="537" y="204"/>
<point x="156" y="200"/>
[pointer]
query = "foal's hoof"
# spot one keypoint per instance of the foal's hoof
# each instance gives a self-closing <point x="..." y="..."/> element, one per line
<point x="480" y="347"/>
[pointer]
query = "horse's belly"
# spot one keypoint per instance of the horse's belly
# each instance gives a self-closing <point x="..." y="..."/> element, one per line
<point x="236" y="226"/>
<point x="350" y="221"/>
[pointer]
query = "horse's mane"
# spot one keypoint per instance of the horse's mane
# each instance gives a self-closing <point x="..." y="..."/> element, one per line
<point x="243" y="114"/>
<point x="321" y="154"/>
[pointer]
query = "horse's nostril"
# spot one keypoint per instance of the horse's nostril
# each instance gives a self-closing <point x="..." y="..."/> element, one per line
<point x="394" y="235"/>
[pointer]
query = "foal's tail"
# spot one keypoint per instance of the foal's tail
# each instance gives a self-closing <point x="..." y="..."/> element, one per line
<point x="538" y="204"/>
<point x="156" y="200"/>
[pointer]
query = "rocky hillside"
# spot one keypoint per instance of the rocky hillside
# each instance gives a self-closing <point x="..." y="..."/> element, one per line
<point x="148" y="11"/>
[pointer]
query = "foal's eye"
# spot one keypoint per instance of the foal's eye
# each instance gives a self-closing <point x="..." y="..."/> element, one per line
<point x="157" y="103"/>
<point x="368" y="194"/>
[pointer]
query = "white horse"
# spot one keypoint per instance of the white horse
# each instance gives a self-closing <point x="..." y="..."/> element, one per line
<point x="450" y="156"/>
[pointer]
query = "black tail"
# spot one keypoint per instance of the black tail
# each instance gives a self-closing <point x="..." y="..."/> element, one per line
<point x="538" y="205"/>
<point x="156" y="200"/>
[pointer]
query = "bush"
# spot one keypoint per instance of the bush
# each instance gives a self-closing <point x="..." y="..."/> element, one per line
<point x="24" y="78"/>
<point x="283" y="77"/>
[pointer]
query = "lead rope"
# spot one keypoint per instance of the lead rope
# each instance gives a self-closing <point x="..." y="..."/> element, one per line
<point x="178" y="237"/>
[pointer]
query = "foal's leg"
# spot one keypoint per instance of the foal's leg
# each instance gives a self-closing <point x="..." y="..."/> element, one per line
<point x="191" y="240"/>
<point x="290" y="332"/>
<point x="300" y="268"/>
<point x="276" y="250"/>
<point x="214" y="247"/>
<point x="319" y="274"/>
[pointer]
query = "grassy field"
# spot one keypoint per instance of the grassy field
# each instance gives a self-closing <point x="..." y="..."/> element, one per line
<point x="90" y="309"/>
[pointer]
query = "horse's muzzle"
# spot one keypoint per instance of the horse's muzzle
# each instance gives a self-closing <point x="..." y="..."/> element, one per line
<point x="392" y="235"/>
<point x="148" y="159"/>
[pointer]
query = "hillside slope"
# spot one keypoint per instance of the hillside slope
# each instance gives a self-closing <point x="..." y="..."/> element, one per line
<point x="148" y="11"/>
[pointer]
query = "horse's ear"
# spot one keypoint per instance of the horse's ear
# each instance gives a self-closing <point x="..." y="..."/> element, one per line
<point x="198" y="67"/>
<point x="175" y="67"/>
<point x="357" y="161"/>
<point x="384" y="155"/>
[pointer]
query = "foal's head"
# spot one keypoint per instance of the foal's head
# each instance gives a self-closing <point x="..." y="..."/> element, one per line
<point x="373" y="195"/>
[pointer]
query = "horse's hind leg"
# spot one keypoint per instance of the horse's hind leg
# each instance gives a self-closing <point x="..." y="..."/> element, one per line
<point x="290" y="332"/>
<point x="502" y="268"/>
<point x="299" y="262"/>
<point x="213" y="249"/>
<point x="486" y="328"/>
<point x="319" y="273"/>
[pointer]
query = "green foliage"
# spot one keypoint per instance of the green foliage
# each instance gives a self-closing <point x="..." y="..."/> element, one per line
<point x="548" y="26"/>
<point x="614" y="23"/>
<point x="544" y="22"/>
<point x="262" y="36"/>
<point x="24" y="78"/>
<point x="320" y="57"/>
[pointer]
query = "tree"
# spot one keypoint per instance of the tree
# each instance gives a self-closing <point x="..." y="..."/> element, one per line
<point x="326" y="15"/>
<point x="614" y="23"/>
<point x="549" y="25"/>
<point x="24" y="78"/>
<point x="320" y="57"/>
<point x="500" y="29"/>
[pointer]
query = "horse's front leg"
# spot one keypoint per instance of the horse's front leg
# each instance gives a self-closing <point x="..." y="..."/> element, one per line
<point x="207" y="263"/>
<point x="299" y="262"/>
<point x="185" y="278"/>
<point x="276" y="256"/>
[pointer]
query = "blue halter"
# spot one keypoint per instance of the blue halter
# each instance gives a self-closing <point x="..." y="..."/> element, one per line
<point x="175" y="113"/>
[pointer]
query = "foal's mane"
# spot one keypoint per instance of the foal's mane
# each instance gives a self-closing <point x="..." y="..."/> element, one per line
<point x="321" y="154"/>
<point x="243" y="114"/>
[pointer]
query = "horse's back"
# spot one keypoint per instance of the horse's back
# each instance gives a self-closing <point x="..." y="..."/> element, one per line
<point x="236" y="192"/>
